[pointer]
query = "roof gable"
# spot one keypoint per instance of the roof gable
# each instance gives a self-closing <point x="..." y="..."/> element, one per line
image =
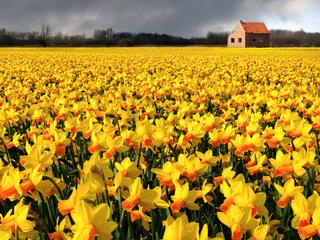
<point x="254" y="27"/>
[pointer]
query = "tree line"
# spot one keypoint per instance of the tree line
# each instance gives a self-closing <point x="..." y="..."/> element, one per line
<point x="108" y="37"/>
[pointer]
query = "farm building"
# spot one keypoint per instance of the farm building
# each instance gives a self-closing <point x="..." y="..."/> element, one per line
<point x="249" y="34"/>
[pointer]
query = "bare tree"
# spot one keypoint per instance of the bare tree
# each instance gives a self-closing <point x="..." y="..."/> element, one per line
<point x="102" y="35"/>
<point x="45" y="34"/>
<point x="109" y="33"/>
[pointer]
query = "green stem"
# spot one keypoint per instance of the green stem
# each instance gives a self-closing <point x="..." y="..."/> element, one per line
<point x="16" y="234"/>
<point x="317" y="141"/>
<point x="6" y="150"/>
<point x="139" y="155"/>
<point x="153" y="227"/>
<point x="46" y="209"/>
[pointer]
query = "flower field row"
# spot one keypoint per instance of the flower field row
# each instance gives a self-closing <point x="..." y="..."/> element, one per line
<point x="159" y="143"/>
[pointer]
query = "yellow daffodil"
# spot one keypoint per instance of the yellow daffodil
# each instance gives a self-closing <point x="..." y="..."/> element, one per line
<point x="183" y="198"/>
<point x="287" y="192"/>
<point x="239" y="220"/>
<point x="92" y="221"/>
<point x="180" y="229"/>
<point x="139" y="196"/>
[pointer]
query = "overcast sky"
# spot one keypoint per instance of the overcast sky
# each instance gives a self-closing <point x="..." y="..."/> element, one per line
<point x="177" y="17"/>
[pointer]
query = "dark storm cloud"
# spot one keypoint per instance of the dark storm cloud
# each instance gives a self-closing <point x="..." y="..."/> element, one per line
<point x="177" y="17"/>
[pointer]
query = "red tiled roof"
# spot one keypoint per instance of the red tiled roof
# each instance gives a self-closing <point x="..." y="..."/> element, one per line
<point x="254" y="27"/>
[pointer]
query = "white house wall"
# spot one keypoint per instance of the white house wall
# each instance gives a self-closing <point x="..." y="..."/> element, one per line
<point x="238" y="33"/>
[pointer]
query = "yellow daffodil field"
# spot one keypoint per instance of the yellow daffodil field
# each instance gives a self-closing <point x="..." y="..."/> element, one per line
<point x="159" y="143"/>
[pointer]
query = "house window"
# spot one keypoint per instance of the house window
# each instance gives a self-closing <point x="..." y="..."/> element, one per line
<point x="239" y="40"/>
<point x="232" y="40"/>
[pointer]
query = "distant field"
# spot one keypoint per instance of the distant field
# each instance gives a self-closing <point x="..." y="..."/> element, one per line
<point x="159" y="143"/>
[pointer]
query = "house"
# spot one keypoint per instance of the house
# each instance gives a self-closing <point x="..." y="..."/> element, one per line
<point x="249" y="34"/>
